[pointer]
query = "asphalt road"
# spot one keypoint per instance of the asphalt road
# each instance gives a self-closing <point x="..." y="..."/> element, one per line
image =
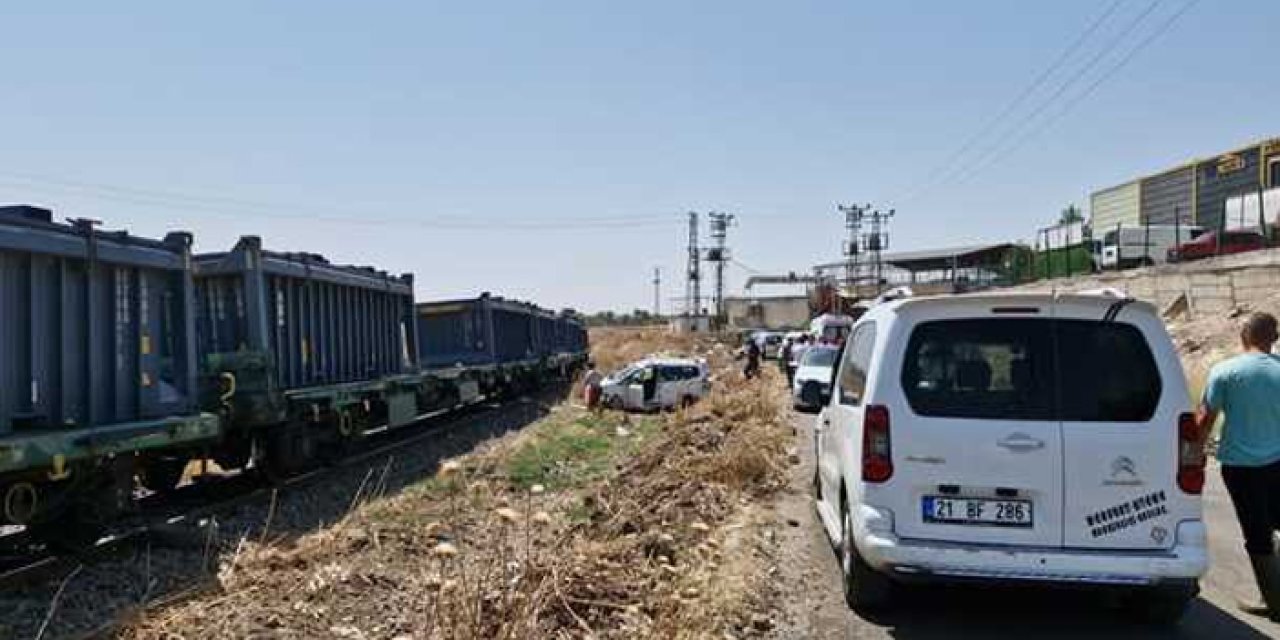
<point x="809" y="583"/>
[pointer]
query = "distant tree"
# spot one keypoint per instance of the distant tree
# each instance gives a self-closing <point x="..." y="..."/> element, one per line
<point x="1070" y="215"/>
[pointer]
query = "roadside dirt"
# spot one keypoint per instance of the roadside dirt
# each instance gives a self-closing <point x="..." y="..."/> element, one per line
<point x="581" y="525"/>
<point x="810" y="603"/>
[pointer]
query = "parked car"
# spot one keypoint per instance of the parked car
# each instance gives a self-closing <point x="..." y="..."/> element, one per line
<point x="1214" y="243"/>
<point x="1014" y="438"/>
<point x="830" y="328"/>
<point x="656" y="383"/>
<point x="813" y="372"/>
<point x="1126" y="247"/>
<point x="769" y="342"/>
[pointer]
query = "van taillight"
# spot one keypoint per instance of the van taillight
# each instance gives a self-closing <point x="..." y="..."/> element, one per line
<point x="877" y="465"/>
<point x="1191" y="455"/>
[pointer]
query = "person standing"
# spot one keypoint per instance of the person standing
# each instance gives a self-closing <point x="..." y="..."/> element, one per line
<point x="1245" y="390"/>
<point x="784" y="361"/>
<point x="591" y="386"/>
<point x="752" y="352"/>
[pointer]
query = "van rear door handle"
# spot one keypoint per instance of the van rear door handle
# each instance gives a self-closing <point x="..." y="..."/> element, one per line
<point x="1019" y="442"/>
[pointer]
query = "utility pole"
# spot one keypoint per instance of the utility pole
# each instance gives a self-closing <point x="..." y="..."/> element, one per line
<point x="719" y="254"/>
<point x="693" y="282"/>
<point x="876" y="241"/>
<point x="657" y="292"/>
<point x="853" y="225"/>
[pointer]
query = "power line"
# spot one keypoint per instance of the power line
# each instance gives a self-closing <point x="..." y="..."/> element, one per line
<point x="350" y="218"/>
<point x="1022" y="96"/>
<point x="216" y="205"/>
<point x="1099" y="81"/>
<point x="744" y="267"/>
<point x="963" y="173"/>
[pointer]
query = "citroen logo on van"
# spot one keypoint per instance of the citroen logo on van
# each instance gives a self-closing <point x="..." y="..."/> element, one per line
<point x="1124" y="473"/>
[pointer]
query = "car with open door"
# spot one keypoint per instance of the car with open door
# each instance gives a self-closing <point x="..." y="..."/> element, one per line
<point x="656" y="383"/>
<point x="1026" y="438"/>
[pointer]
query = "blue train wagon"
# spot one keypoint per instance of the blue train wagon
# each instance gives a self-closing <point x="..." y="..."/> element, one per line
<point x="98" y="368"/>
<point x="505" y="345"/>
<point x="301" y="354"/>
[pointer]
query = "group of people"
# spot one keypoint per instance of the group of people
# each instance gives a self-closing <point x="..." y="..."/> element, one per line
<point x="789" y="355"/>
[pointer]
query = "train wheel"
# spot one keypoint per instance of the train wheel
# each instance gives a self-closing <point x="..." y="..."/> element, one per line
<point x="163" y="473"/>
<point x="289" y="451"/>
<point x="90" y="508"/>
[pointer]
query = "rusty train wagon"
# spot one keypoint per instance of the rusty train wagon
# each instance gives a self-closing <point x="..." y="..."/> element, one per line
<point x="98" y="369"/>
<point x="301" y="355"/>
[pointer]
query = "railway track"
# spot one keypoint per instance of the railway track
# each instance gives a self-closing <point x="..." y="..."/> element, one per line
<point x="189" y="509"/>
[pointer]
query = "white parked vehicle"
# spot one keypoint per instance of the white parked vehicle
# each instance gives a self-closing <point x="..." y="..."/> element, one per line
<point x="1014" y="438"/>
<point x="656" y="383"/>
<point x="830" y="328"/>
<point x="813" y="377"/>
<point x="1126" y="247"/>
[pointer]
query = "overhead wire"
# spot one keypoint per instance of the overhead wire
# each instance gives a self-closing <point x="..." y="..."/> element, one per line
<point x="992" y="124"/>
<point x="1106" y="75"/>
<point x="213" y="205"/>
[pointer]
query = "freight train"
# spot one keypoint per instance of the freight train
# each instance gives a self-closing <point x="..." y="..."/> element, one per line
<point x="123" y="359"/>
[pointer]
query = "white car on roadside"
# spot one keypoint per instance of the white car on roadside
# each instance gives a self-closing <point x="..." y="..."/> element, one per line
<point x="1014" y="438"/>
<point x="813" y="377"/>
<point x="656" y="383"/>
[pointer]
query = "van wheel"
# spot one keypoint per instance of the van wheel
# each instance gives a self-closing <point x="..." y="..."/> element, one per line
<point x="864" y="588"/>
<point x="688" y="401"/>
<point x="1161" y="606"/>
<point x="613" y="402"/>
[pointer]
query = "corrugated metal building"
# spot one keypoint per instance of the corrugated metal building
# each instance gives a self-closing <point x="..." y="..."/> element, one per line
<point x="1218" y="179"/>
<point x="1116" y="206"/>
<point x="1193" y="193"/>
<point x="1167" y="198"/>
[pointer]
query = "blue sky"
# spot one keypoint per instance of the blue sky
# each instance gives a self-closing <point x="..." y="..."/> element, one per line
<point x="407" y="135"/>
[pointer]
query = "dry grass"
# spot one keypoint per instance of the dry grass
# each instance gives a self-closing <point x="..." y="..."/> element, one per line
<point x="579" y="526"/>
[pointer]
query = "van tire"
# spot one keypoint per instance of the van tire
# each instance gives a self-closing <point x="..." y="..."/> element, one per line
<point x="865" y="589"/>
<point x="1161" y="606"/>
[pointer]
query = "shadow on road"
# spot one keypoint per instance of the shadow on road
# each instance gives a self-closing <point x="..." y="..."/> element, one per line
<point x="1031" y="612"/>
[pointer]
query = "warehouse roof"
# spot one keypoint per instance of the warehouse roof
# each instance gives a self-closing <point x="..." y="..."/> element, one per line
<point x="932" y="259"/>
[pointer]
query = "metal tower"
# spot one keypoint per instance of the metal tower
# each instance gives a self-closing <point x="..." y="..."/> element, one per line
<point x="693" y="283"/>
<point x="719" y="255"/>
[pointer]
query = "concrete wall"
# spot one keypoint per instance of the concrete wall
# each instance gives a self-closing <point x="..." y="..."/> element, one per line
<point x="1211" y="286"/>
<point x="782" y="312"/>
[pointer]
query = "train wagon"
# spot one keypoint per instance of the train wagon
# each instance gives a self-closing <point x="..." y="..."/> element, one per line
<point x="98" y="368"/>
<point x="299" y="353"/>
<point x="505" y="345"/>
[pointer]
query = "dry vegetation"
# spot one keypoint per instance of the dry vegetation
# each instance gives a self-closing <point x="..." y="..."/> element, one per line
<point x="581" y="525"/>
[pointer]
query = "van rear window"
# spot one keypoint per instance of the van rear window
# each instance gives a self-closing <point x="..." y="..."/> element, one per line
<point x="1010" y="369"/>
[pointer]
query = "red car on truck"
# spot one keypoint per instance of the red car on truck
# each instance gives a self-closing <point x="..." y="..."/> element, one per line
<point x="1218" y="243"/>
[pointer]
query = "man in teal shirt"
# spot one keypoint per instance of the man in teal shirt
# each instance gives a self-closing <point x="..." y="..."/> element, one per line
<point x="1246" y="391"/>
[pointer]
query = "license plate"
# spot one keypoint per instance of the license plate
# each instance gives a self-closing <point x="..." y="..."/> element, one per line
<point x="977" y="511"/>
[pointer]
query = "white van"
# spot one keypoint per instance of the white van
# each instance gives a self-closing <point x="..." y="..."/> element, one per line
<point x="1126" y="247"/>
<point x="1011" y="438"/>
<point x="830" y="328"/>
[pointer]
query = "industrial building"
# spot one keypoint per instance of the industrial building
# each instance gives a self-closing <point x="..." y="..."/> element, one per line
<point x="1195" y="192"/>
